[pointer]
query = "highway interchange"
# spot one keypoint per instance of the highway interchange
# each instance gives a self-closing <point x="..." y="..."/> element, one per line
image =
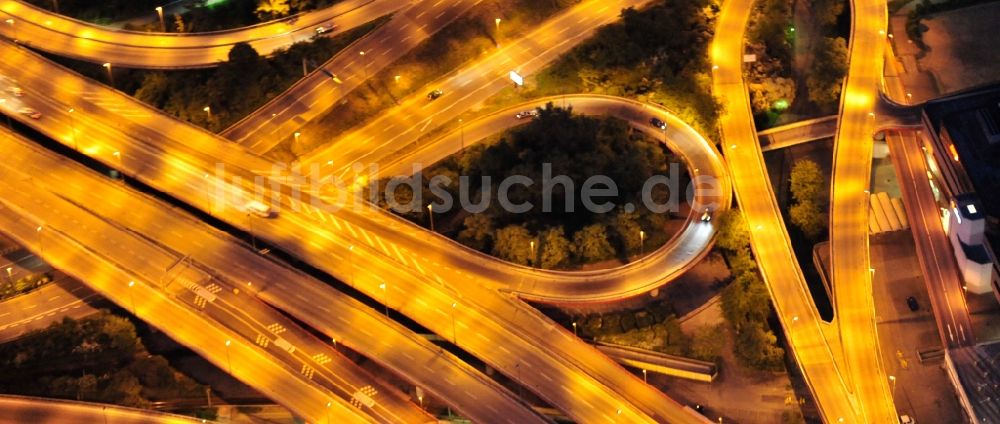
<point x="376" y="253"/>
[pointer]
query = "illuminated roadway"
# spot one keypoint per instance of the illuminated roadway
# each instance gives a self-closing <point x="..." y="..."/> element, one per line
<point x="772" y="248"/>
<point x="337" y="315"/>
<point x="564" y="371"/>
<point x="44" y="305"/>
<point x="22" y="409"/>
<point x="689" y="245"/>
<point x="69" y="37"/>
<point x="88" y="261"/>
<point x="263" y="129"/>
<point x="853" y="301"/>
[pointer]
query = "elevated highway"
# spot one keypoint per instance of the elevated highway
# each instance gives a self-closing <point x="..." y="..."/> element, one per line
<point x="805" y="330"/>
<point x="57" y="34"/>
<point x="564" y="371"/>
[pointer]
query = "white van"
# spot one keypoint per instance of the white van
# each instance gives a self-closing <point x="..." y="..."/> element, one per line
<point x="259" y="209"/>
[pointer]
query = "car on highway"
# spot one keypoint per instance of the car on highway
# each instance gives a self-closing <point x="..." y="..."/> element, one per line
<point x="906" y="419"/>
<point x="658" y="123"/>
<point x="15" y="90"/>
<point x="29" y="112"/>
<point x="526" y="114"/>
<point x="434" y="94"/>
<point x="911" y="302"/>
<point x="706" y="215"/>
<point x="254" y="207"/>
<point x="323" y="29"/>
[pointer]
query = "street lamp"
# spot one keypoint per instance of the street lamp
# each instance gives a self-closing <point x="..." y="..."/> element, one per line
<point x="497" y="21"/>
<point x="892" y="379"/>
<point x="131" y="295"/>
<point x="532" y="246"/>
<point x="72" y="126"/>
<point x="430" y="214"/>
<point x="642" y="242"/>
<point x="38" y="231"/>
<point x="13" y="30"/>
<point x="454" y="333"/>
<point x="3" y="103"/>
<point x="121" y="167"/>
<point x="159" y="11"/>
<point x="296" y="135"/>
<point x="208" y="111"/>
<point x="644" y="379"/>
<point x="385" y="293"/>
<point x="229" y="358"/>
<point x="328" y="405"/>
<point x="111" y="77"/>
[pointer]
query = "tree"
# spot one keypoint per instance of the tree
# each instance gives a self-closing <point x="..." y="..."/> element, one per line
<point x="741" y="262"/>
<point x="806" y="181"/>
<point x="809" y="218"/>
<point x="807" y="188"/>
<point x="733" y="233"/>
<point x="770" y="92"/>
<point x="556" y="248"/>
<point x="513" y="243"/>
<point x="829" y="68"/>
<point x="626" y="226"/>
<point x="707" y="342"/>
<point x="477" y="232"/>
<point x="272" y="9"/>
<point x="592" y="243"/>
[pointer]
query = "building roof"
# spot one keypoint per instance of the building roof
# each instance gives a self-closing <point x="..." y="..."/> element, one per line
<point x="972" y="120"/>
<point x="978" y="370"/>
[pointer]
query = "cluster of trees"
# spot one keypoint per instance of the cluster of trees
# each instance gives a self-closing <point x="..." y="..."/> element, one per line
<point x="23" y="285"/>
<point x="654" y="327"/>
<point x="659" y="52"/>
<point x="772" y="34"/>
<point x="99" y="359"/>
<point x="273" y="9"/>
<point x="566" y="233"/>
<point x="915" y="29"/>
<point x="101" y="12"/>
<point x="809" y="190"/>
<point x="770" y="81"/>
<point x="745" y="301"/>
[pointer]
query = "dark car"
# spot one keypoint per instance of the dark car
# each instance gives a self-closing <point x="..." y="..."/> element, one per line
<point x="658" y="123"/>
<point x="912" y="303"/>
<point x="434" y="94"/>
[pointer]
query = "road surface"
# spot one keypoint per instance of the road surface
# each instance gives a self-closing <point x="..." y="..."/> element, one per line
<point x="772" y="248"/>
<point x="76" y="39"/>
<point x="564" y="371"/>
<point x="22" y="409"/>
<point x="43" y="306"/>
<point x="317" y="92"/>
<point x="57" y="224"/>
<point x="683" y="251"/>
<point x="853" y="301"/>
<point x="338" y="316"/>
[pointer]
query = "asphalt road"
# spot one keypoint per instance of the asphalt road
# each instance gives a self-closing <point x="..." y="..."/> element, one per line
<point x="465" y="88"/>
<point x="806" y="332"/>
<point x="239" y="268"/>
<point x="39" y="308"/>
<point x="564" y="371"/>
<point x="684" y="250"/>
<point x="853" y="301"/>
<point x="941" y="273"/>
<point x="316" y="93"/>
<point x="75" y="241"/>
<point x="69" y="37"/>
<point x="19" y="410"/>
